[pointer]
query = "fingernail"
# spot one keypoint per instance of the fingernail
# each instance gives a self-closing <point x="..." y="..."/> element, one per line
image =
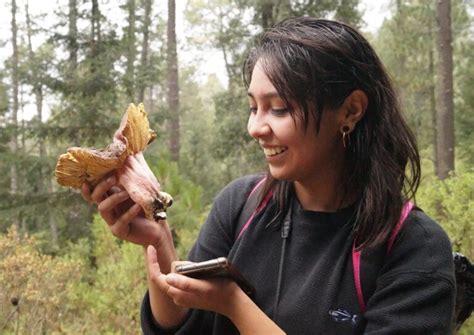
<point x="171" y="279"/>
<point x="162" y="277"/>
<point x="111" y="180"/>
<point x="123" y="194"/>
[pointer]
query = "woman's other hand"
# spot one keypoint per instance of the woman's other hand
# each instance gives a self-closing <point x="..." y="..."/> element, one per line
<point x="213" y="294"/>
<point x="219" y="295"/>
<point x="164" y="309"/>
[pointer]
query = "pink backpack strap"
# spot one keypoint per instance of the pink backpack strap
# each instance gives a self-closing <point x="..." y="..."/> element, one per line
<point x="259" y="207"/>
<point x="356" y="254"/>
<point x="356" y="270"/>
<point x="405" y="211"/>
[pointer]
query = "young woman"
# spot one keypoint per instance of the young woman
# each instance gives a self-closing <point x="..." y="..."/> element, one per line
<point x="341" y="165"/>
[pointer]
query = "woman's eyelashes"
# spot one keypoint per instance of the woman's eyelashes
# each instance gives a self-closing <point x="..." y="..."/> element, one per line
<point x="253" y="110"/>
<point x="280" y="111"/>
<point x="275" y="111"/>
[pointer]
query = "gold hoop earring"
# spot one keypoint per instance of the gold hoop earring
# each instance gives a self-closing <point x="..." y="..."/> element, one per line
<point x="345" y="132"/>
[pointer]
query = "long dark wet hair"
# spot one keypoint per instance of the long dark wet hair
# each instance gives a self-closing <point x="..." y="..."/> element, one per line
<point x="315" y="65"/>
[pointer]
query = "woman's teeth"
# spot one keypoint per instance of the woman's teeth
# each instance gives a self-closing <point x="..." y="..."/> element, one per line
<point x="273" y="151"/>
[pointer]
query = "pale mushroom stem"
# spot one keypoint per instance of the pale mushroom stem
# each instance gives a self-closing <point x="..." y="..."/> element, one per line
<point x="144" y="189"/>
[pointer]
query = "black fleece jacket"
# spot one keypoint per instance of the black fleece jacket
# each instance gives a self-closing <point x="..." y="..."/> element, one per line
<point x="409" y="291"/>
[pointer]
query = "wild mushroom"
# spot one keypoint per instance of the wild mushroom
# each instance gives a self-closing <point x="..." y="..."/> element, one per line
<point x="124" y="158"/>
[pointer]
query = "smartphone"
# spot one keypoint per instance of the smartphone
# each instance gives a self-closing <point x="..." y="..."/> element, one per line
<point x="219" y="267"/>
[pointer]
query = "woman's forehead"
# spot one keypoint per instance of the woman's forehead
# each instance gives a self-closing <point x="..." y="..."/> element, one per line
<point x="260" y="84"/>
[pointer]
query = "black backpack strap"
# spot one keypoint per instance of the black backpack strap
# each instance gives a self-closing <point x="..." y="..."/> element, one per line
<point x="464" y="271"/>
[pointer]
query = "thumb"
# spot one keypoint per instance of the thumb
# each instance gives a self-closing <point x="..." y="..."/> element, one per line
<point x="86" y="192"/>
<point x="152" y="262"/>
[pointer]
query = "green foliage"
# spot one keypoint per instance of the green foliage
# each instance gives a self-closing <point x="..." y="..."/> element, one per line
<point x="464" y="99"/>
<point x="233" y="145"/>
<point x="112" y="285"/>
<point x="467" y="328"/>
<point x="411" y="58"/>
<point x="267" y="13"/>
<point x="34" y="296"/>
<point x="411" y="62"/>
<point x="198" y="133"/>
<point x="451" y="203"/>
<point x="95" y="287"/>
<point x="188" y="212"/>
<point x="90" y="106"/>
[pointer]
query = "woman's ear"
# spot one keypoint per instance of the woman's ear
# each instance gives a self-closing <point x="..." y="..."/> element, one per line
<point x="353" y="109"/>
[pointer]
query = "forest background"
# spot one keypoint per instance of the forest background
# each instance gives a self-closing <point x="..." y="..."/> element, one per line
<point x="68" y="73"/>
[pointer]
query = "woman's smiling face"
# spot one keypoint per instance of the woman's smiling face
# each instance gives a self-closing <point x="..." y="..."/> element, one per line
<point x="293" y="152"/>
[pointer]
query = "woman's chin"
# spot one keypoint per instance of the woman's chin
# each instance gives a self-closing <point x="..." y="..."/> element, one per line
<point x="279" y="174"/>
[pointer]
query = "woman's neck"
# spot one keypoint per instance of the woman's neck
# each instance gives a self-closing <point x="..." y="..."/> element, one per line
<point x="323" y="192"/>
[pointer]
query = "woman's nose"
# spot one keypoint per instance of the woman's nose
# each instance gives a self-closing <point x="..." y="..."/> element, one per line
<point x="257" y="126"/>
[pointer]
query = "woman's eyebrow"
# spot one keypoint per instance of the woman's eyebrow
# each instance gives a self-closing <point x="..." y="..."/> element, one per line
<point x="267" y="95"/>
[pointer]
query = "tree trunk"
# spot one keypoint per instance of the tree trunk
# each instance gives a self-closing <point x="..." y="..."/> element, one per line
<point x="142" y="82"/>
<point x="130" y="71"/>
<point x="94" y="40"/>
<point x="173" y="89"/>
<point x="433" y="98"/>
<point x="445" y="104"/>
<point x="95" y="21"/>
<point x="72" y="38"/>
<point x="151" y="99"/>
<point x="72" y="47"/>
<point x="228" y="66"/>
<point x="95" y="26"/>
<point x="44" y="177"/>
<point x="21" y="129"/>
<point x="267" y="14"/>
<point x="15" y="85"/>
<point x="37" y="86"/>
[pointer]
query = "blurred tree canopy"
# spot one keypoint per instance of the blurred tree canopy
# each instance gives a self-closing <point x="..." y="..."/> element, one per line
<point x="75" y="69"/>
